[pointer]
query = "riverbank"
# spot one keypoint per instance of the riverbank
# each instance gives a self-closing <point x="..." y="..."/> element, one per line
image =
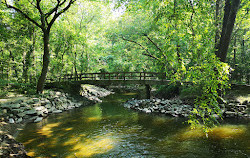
<point x="16" y="110"/>
<point x="178" y="108"/>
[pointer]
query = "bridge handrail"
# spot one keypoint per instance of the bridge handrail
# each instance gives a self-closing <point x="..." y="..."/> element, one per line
<point x="111" y="76"/>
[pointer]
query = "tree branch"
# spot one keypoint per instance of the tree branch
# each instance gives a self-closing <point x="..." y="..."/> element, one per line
<point x="21" y="12"/>
<point x="237" y="26"/>
<point x="153" y="42"/>
<point x="146" y="54"/>
<point x="192" y="15"/>
<point x="55" y="9"/>
<point x="59" y="13"/>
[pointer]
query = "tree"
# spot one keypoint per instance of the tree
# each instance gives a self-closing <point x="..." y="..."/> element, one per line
<point x="230" y="12"/>
<point x="47" y="17"/>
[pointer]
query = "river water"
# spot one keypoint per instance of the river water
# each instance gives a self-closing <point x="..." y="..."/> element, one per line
<point x="108" y="130"/>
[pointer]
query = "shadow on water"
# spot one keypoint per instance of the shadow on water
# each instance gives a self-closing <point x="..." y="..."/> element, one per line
<point x="109" y="130"/>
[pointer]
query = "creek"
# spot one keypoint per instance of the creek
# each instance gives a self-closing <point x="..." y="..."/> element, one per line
<point x="108" y="129"/>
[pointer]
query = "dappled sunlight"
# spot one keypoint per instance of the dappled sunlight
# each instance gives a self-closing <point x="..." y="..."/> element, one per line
<point x="107" y="130"/>
<point x="68" y="129"/>
<point x="242" y="98"/>
<point x="220" y="132"/>
<point x="52" y="143"/>
<point x="128" y="94"/>
<point x="47" y="129"/>
<point x="227" y="131"/>
<point x="94" y="119"/>
<point x="189" y="133"/>
<point x="91" y="146"/>
<point x="41" y="145"/>
<point x="31" y="153"/>
<point x="29" y="141"/>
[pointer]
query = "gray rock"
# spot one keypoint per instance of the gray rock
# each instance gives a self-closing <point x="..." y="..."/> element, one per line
<point x="57" y="111"/>
<point x="230" y="105"/>
<point x="241" y="107"/>
<point x="147" y="110"/>
<point x="155" y="107"/>
<point x="19" y="120"/>
<point x="38" y="119"/>
<point x="163" y="111"/>
<point x="48" y="106"/>
<point x="136" y="105"/>
<point x="245" y="102"/>
<point x="39" y="113"/>
<point x="30" y="112"/>
<point x="11" y="120"/>
<point x="58" y="93"/>
<point x="24" y="104"/>
<point x="65" y="106"/>
<point x="33" y="118"/>
<point x="35" y="100"/>
<point x="39" y="108"/>
<point x="14" y="106"/>
<point x="185" y="115"/>
<point x="36" y="104"/>
<point x="43" y="103"/>
<point x="4" y="111"/>
<point x="230" y="114"/>
<point x="21" y="114"/>
<point x="16" y="111"/>
<point x="78" y="105"/>
<point x="165" y="102"/>
<point x="71" y="107"/>
<point x="18" y="101"/>
<point x="6" y="105"/>
<point x="168" y="112"/>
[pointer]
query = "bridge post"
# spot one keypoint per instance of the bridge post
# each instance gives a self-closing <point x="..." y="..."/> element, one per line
<point x="148" y="90"/>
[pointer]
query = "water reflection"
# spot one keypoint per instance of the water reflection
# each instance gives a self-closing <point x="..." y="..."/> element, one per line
<point x="109" y="130"/>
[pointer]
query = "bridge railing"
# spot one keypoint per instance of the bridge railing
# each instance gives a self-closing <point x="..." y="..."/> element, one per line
<point x="112" y="76"/>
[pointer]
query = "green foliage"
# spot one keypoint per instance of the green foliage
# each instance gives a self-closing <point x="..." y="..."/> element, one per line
<point x="168" y="91"/>
<point x="190" y="92"/>
<point x="3" y="88"/>
<point x="211" y="78"/>
<point x="176" y="37"/>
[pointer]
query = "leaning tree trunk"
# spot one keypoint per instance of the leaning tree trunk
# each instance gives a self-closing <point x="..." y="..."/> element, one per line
<point x="230" y="11"/>
<point x="46" y="60"/>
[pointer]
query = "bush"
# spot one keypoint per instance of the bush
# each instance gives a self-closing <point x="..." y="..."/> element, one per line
<point x="168" y="91"/>
<point x="190" y="92"/>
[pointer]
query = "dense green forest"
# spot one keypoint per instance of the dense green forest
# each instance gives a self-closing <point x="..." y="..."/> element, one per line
<point x="203" y="42"/>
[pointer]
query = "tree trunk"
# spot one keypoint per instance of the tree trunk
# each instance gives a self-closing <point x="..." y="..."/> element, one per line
<point x="46" y="60"/>
<point x="27" y="56"/>
<point x="230" y="11"/>
<point x="217" y="22"/>
<point x="234" y="60"/>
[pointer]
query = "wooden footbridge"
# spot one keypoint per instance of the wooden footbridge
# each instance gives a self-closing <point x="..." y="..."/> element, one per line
<point x="113" y="78"/>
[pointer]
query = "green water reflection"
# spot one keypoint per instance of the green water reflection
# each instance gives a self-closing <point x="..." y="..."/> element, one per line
<point x="109" y="130"/>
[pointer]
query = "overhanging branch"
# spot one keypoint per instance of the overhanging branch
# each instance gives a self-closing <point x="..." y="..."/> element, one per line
<point x="146" y="54"/>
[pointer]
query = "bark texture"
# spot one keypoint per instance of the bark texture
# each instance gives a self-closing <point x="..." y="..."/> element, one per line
<point x="230" y="11"/>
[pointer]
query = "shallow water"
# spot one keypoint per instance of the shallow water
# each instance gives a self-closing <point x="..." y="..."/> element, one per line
<point x="109" y="130"/>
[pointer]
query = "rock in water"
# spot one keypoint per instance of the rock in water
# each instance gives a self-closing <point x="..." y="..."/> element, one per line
<point x="11" y="120"/>
<point x="38" y="119"/>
